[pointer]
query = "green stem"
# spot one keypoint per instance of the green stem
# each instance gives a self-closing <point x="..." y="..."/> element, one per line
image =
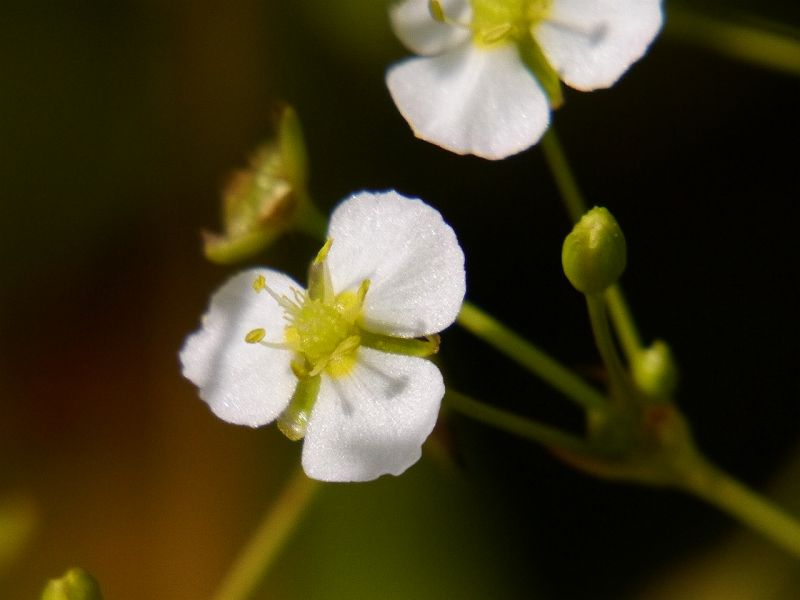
<point x="752" y="509"/>
<point x="527" y="428"/>
<point x="624" y="325"/>
<point x="566" y="182"/>
<point x="751" y="43"/>
<point x="494" y="333"/>
<point x="278" y="523"/>
<point x="608" y="351"/>
<point x="567" y="185"/>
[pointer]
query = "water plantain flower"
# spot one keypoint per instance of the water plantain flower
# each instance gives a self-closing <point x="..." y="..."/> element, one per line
<point x="489" y="70"/>
<point x="341" y="364"/>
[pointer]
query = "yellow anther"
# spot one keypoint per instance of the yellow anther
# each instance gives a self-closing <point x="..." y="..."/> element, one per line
<point x="259" y="283"/>
<point x="436" y="10"/>
<point x="254" y="336"/>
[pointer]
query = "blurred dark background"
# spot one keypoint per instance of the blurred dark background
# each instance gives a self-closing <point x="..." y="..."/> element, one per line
<point x="119" y="123"/>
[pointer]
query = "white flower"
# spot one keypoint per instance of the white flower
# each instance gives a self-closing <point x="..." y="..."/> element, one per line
<point x="489" y="69"/>
<point x="341" y="363"/>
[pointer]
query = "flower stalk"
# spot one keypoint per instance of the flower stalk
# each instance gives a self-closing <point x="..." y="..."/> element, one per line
<point x="277" y="525"/>
<point x="567" y="184"/>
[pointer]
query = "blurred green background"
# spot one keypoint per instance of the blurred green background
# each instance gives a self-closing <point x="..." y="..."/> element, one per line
<point x="119" y="123"/>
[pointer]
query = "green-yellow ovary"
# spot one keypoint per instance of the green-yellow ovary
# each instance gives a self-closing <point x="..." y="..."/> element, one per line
<point x="326" y="334"/>
<point x="495" y="21"/>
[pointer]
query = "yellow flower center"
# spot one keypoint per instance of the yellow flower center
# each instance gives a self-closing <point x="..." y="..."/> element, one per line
<point x="322" y="327"/>
<point x="325" y="334"/>
<point x="497" y="21"/>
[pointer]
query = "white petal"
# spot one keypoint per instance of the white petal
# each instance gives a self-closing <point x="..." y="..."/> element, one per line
<point x="409" y="254"/>
<point x="246" y="384"/>
<point x="591" y="43"/>
<point x="374" y="420"/>
<point x="414" y="26"/>
<point x="471" y="100"/>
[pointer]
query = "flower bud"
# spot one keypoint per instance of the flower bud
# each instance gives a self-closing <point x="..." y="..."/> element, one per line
<point x="654" y="370"/>
<point x="76" y="584"/>
<point x="593" y="255"/>
<point x="263" y="201"/>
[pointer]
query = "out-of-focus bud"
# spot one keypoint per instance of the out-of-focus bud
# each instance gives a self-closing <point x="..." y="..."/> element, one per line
<point x="655" y="372"/>
<point x="19" y="520"/>
<point x="76" y="584"/>
<point x="263" y="201"/>
<point x="594" y="254"/>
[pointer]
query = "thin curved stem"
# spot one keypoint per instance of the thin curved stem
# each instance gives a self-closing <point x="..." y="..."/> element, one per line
<point x="608" y="351"/>
<point x="765" y="46"/>
<point x="494" y="333"/>
<point x="523" y="427"/>
<point x="752" y="509"/>
<point x="260" y="552"/>
<point x="567" y="184"/>
<point x="565" y="179"/>
<point x="624" y="325"/>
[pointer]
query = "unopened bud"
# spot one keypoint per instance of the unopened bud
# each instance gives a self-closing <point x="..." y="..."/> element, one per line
<point x="654" y="370"/>
<point x="594" y="255"/>
<point x="76" y="584"/>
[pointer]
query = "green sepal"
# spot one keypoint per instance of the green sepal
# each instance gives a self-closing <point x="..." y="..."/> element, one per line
<point x="267" y="198"/>
<point x="293" y="421"/>
<point x="408" y="346"/>
<point x="229" y="250"/>
<point x="534" y="58"/>
<point x="293" y="148"/>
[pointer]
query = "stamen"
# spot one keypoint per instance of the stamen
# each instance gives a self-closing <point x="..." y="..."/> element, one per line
<point x="254" y="336"/>
<point x="299" y="370"/>
<point x="299" y="297"/>
<point x="275" y="345"/>
<point x="436" y="10"/>
<point x="323" y="252"/>
<point x="260" y="283"/>
<point x="495" y="34"/>
<point x="345" y="347"/>
<point x="362" y="291"/>
<point x="320" y="285"/>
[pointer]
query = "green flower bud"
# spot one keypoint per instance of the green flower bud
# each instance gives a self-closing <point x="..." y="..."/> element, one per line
<point x="76" y="584"/>
<point x="593" y="255"/>
<point x="266" y="199"/>
<point x="654" y="370"/>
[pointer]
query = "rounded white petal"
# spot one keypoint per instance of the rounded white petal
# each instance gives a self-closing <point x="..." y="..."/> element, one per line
<point x="591" y="43"/>
<point x="410" y="256"/>
<point x="246" y="384"/>
<point x="415" y="27"/>
<point x="374" y="420"/>
<point x="471" y="100"/>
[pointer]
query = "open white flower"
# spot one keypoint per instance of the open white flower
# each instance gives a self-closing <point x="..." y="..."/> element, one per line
<point x="340" y="364"/>
<point x="489" y="69"/>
